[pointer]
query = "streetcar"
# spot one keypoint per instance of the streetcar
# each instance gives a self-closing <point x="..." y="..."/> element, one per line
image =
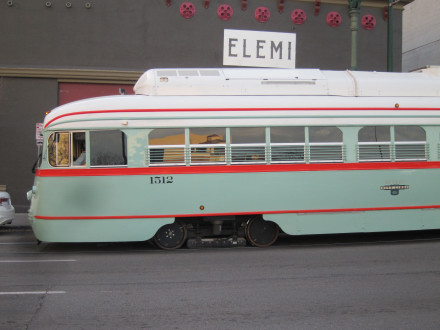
<point x="236" y="156"/>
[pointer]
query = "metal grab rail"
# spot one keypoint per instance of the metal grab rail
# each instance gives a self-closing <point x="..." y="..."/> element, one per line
<point x="207" y="154"/>
<point x="326" y="152"/>
<point x="411" y="151"/>
<point x="374" y="151"/>
<point x="163" y="155"/>
<point x="249" y="153"/>
<point x="288" y="153"/>
<point x="244" y="153"/>
<point x="386" y="151"/>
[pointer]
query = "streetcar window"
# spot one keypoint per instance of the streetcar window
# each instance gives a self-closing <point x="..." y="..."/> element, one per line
<point x="79" y="148"/>
<point x="248" y="144"/>
<point x="324" y="134"/>
<point x="409" y="133"/>
<point x="166" y="145"/>
<point x="248" y="135"/>
<point x="66" y="149"/>
<point x="208" y="145"/>
<point x="325" y="144"/>
<point x="374" y="143"/>
<point x="108" y="148"/>
<point x="293" y="134"/>
<point x="375" y="134"/>
<point x="287" y="144"/>
<point x="410" y="143"/>
<point x="59" y="149"/>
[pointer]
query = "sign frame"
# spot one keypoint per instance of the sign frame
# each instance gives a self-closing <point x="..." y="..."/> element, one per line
<point x="259" y="49"/>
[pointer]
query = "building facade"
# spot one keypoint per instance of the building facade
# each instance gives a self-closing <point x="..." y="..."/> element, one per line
<point x="53" y="52"/>
<point x="421" y="35"/>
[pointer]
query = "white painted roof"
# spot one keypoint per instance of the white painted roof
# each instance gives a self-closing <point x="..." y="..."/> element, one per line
<point x="260" y="81"/>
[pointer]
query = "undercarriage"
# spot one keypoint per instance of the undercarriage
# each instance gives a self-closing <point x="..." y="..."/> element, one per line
<point x="225" y="231"/>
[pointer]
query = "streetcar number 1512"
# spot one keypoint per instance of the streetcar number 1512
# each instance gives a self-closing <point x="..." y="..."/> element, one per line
<point x="161" y="179"/>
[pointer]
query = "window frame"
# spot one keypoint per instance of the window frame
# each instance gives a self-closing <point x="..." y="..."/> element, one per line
<point x="90" y="151"/>
<point x="260" y="152"/>
<point x="71" y="145"/>
<point x="393" y="148"/>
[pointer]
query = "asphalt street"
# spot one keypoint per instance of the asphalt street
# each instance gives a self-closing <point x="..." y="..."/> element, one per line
<point x="374" y="281"/>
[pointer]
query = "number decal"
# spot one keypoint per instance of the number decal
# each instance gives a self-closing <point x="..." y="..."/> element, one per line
<point x="161" y="179"/>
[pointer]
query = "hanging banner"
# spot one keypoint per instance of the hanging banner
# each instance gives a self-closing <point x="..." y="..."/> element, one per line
<point x="259" y="49"/>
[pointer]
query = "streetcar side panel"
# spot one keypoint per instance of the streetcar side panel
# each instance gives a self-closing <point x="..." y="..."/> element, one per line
<point x="300" y="202"/>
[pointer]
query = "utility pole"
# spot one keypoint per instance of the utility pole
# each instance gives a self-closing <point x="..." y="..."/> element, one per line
<point x="390" y="36"/>
<point x="354" y="8"/>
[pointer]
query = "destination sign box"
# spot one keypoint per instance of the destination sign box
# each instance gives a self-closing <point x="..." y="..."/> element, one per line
<point x="259" y="49"/>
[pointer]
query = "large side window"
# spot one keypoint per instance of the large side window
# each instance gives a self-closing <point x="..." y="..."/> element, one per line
<point x="325" y="144"/>
<point x="166" y="146"/>
<point x="392" y="143"/>
<point x="410" y="143"/>
<point x="244" y="145"/>
<point x="287" y="144"/>
<point x="208" y="145"/>
<point x="108" y="148"/>
<point x="248" y="144"/>
<point x="374" y="143"/>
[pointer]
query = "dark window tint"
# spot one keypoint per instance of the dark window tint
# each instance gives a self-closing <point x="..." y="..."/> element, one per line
<point x="79" y="148"/>
<point x="325" y="144"/>
<point x="287" y="135"/>
<point x="410" y="143"/>
<point x="108" y="148"/>
<point x="325" y="134"/>
<point x="248" y="144"/>
<point x="375" y="134"/>
<point x="409" y="133"/>
<point x="248" y="135"/>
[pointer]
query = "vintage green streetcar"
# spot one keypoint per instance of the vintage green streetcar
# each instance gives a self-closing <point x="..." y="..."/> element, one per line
<point x="234" y="156"/>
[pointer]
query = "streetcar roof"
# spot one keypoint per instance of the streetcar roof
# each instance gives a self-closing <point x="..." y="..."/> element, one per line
<point x="415" y="91"/>
<point x="146" y="111"/>
<point x="262" y="81"/>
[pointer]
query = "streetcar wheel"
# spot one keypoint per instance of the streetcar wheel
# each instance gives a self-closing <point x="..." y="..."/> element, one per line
<point x="171" y="236"/>
<point x="261" y="233"/>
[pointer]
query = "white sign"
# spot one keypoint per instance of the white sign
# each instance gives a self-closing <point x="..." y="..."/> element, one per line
<point x="38" y="133"/>
<point x="259" y="49"/>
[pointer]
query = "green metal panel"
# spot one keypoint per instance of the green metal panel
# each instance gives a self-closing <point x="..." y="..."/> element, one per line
<point x="355" y="222"/>
<point x="101" y="230"/>
<point x="136" y="143"/>
<point x="134" y="196"/>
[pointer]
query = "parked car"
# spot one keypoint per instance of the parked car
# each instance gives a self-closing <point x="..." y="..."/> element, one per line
<point x="7" y="211"/>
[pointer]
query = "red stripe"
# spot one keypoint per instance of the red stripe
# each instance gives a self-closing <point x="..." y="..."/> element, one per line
<point x="227" y="109"/>
<point x="361" y="209"/>
<point x="210" y="169"/>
